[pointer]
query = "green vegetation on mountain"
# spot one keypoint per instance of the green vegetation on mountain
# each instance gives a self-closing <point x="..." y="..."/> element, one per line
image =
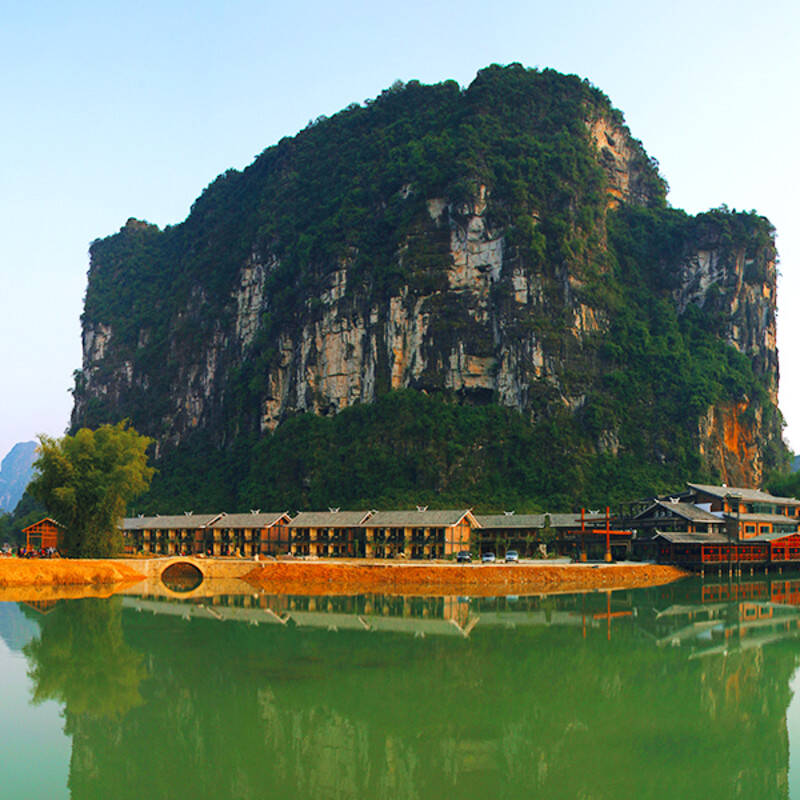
<point x="613" y="411"/>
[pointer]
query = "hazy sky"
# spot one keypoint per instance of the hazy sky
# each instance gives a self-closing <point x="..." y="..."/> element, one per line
<point x="114" y="110"/>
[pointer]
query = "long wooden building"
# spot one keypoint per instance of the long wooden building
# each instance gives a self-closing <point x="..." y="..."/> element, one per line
<point x="417" y="534"/>
<point x="210" y="534"/>
<point x="702" y="527"/>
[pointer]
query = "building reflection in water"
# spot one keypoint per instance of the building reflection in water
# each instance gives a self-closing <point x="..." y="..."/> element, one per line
<point x="678" y="691"/>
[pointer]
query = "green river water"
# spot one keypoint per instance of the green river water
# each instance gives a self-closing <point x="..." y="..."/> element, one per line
<point x="683" y="691"/>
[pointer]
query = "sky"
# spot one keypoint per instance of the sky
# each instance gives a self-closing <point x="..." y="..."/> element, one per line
<point x="115" y="110"/>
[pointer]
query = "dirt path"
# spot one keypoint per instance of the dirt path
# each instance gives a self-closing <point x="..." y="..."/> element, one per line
<point x="281" y="577"/>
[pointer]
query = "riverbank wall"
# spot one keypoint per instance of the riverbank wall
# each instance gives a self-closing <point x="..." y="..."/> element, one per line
<point x="318" y="577"/>
<point x="16" y="572"/>
<point x="340" y="577"/>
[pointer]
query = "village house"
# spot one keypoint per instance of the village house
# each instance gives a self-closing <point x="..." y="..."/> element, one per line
<point x="328" y="533"/>
<point x="418" y="534"/>
<point x="499" y="533"/>
<point x="42" y="534"/>
<point x="182" y="534"/>
<point x="672" y="517"/>
<point x="580" y="536"/>
<point x="707" y="525"/>
<point x="248" y="535"/>
<point x="753" y="512"/>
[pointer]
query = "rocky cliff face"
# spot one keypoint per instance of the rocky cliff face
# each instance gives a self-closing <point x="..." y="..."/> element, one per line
<point x="504" y="283"/>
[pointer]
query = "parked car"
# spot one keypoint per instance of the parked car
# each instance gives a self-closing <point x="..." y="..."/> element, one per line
<point x="512" y="557"/>
<point x="463" y="557"/>
<point x="488" y="558"/>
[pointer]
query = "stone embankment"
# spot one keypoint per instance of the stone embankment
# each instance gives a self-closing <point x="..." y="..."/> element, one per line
<point x="19" y="572"/>
<point x="43" y="578"/>
<point x="318" y="577"/>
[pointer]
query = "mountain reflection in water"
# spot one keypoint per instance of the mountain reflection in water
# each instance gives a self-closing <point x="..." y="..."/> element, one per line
<point x="677" y="691"/>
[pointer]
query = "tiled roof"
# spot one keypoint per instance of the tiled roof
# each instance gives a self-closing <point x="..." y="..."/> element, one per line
<point x="176" y="522"/>
<point x="571" y="521"/>
<point x="252" y="520"/>
<point x="590" y="519"/>
<point x="769" y="537"/>
<point x="417" y="519"/>
<point x="329" y="519"/>
<point x="498" y="521"/>
<point x="685" y="510"/>
<point x="39" y="522"/>
<point x="746" y="495"/>
<point x="693" y="538"/>
<point x="775" y="519"/>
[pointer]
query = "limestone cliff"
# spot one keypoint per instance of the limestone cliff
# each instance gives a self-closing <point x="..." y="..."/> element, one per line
<point x="506" y="244"/>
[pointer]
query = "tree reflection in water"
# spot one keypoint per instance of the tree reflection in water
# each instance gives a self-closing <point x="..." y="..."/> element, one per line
<point x="81" y="659"/>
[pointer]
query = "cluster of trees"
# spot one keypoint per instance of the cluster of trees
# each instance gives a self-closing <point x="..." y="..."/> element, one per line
<point x="409" y="448"/>
<point x="85" y="482"/>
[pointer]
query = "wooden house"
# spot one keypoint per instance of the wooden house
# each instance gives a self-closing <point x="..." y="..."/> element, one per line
<point x="749" y="512"/>
<point x="418" y="534"/>
<point x="672" y="516"/>
<point x="184" y="534"/>
<point x="43" y="534"/>
<point x="498" y="533"/>
<point x="676" y="517"/>
<point x="591" y="535"/>
<point x="783" y="547"/>
<point x="248" y="535"/>
<point x="328" y="533"/>
<point x="573" y="534"/>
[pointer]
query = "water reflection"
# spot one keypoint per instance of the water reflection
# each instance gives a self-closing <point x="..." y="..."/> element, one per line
<point x="679" y="691"/>
<point x="80" y="659"/>
<point x="182" y="577"/>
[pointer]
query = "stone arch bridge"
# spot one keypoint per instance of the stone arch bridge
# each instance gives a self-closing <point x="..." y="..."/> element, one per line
<point x="161" y="575"/>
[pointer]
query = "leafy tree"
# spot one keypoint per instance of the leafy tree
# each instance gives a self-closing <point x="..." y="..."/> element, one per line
<point x="86" y="481"/>
<point x="784" y="484"/>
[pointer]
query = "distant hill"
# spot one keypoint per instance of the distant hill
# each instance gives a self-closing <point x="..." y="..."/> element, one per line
<point x="16" y="471"/>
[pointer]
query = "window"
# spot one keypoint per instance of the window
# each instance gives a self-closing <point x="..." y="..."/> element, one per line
<point x="764" y="508"/>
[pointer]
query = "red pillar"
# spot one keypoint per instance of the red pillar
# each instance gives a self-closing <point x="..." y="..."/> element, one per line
<point x="583" y="535"/>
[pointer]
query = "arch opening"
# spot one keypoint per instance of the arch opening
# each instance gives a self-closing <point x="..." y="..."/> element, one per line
<point x="181" y="577"/>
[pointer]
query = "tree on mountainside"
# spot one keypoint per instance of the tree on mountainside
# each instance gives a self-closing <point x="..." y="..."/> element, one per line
<point x="86" y="481"/>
